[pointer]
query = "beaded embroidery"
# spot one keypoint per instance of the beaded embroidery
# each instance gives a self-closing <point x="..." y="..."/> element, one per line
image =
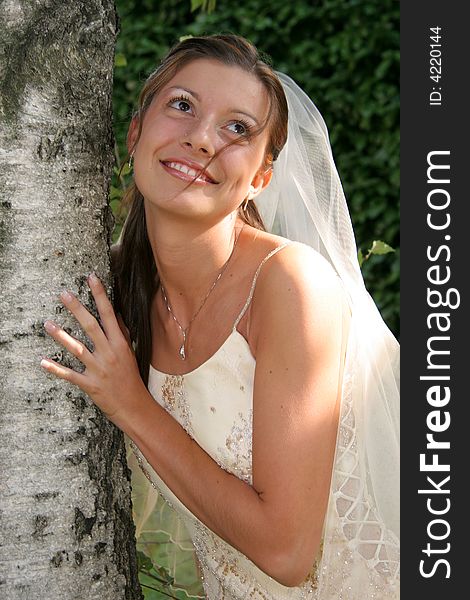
<point x="229" y="574"/>
<point x="238" y="448"/>
<point x="175" y="402"/>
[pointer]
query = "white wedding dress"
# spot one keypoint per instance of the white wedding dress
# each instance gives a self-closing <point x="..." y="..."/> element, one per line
<point x="214" y="404"/>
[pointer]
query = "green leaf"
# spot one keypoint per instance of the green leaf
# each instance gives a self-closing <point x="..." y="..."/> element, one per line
<point x="115" y="205"/>
<point x="115" y="193"/>
<point x="125" y="170"/>
<point x="195" y="4"/>
<point x="379" y="247"/>
<point x="144" y="561"/>
<point x="148" y="567"/>
<point x="164" y="575"/>
<point x="120" y="60"/>
<point x="360" y="257"/>
<point x="205" y="5"/>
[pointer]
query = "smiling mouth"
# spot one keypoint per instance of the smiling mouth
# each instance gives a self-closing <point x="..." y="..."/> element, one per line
<point x="182" y="171"/>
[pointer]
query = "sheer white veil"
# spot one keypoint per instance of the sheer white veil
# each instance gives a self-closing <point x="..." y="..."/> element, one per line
<point x="305" y="202"/>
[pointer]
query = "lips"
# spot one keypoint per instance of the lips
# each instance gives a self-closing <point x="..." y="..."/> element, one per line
<point x="187" y="170"/>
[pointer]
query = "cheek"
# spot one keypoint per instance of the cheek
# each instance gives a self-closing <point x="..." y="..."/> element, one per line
<point x="242" y="163"/>
<point x="237" y="190"/>
<point x="141" y="179"/>
<point x="162" y="131"/>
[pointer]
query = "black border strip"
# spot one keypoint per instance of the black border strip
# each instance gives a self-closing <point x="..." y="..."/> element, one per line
<point x="434" y="268"/>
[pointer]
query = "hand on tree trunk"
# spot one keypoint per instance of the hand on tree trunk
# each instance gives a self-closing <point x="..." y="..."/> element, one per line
<point x="111" y="377"/>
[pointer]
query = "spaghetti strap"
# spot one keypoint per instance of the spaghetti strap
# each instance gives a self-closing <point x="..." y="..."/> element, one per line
<point x="253" y="285"/>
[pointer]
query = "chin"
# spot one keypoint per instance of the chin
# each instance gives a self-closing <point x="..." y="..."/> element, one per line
<point x="182" y="205"/>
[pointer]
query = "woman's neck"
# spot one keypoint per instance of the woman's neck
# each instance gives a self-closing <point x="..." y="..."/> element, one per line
<point x="189" y="257"/>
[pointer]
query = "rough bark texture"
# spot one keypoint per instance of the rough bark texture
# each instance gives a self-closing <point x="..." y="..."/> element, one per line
<point x="65" y="510"/>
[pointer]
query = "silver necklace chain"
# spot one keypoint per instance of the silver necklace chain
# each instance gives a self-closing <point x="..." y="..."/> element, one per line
<point x="184" y="330"/>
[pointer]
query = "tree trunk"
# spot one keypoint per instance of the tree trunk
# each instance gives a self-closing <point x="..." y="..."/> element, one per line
<point x="65" y="510"/>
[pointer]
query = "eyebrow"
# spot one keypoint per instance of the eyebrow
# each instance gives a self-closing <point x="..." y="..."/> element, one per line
<point x="198" y="98"/>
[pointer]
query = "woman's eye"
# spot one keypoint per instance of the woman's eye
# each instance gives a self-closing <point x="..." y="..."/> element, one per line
<point x="240" y="127"/>
<point x="181" y="103"/>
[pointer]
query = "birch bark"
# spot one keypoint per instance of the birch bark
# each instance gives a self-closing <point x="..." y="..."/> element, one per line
<point x="65" y="511"/>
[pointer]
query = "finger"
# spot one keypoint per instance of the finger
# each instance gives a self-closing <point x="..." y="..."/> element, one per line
<point x="125" y="330"/>
<point x="64" y="373"/>
<point x="104" y="306"/>
<point x="88" y="322"/>
<point x="75" y="347"/>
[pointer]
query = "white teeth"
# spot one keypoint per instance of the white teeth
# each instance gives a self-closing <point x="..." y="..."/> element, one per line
<point x="184" y="169"/>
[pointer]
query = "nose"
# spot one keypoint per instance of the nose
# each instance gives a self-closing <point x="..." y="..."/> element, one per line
<point x="199" y="139"/>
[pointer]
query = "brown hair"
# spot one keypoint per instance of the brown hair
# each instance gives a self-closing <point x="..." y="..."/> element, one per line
<point x="136" y="277"/>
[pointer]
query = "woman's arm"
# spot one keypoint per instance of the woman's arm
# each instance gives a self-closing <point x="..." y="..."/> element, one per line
<point x="297" y="323"/>
<point x="278" y="522"/>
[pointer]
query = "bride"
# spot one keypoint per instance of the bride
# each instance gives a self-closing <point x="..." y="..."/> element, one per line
<point x="250" y="369"/>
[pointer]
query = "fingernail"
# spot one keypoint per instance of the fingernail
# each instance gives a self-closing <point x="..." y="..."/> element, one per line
<point x="66" y="296"/>
<point x="49" y="326"/>
<point x="44" y="363"/>
<point x="92" y="278"/>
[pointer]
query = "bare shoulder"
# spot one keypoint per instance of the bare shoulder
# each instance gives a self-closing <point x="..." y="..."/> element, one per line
<point x="297" y="291"/>
<point x="297" y="269"/>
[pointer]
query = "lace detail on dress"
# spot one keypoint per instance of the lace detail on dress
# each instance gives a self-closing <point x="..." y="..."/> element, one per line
<point x="371" y="552"/>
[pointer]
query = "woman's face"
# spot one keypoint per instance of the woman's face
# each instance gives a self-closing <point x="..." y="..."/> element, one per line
<point x="204" y="107"/>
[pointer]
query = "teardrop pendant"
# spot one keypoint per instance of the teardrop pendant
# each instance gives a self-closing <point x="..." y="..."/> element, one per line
<point x="182" y="351"/>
